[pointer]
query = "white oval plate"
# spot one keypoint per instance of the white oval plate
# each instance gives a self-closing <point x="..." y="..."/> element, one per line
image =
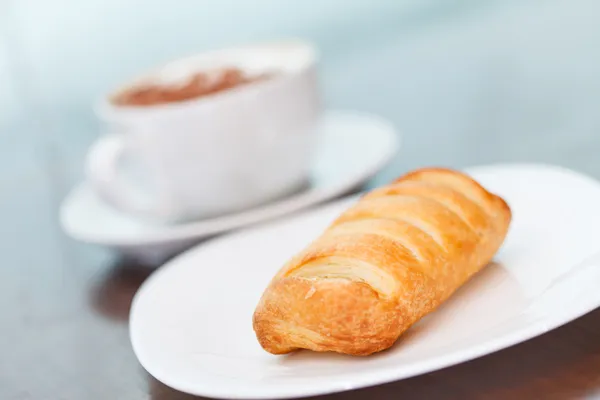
<point x="191" y="321"/>
<point x="351" y="148"/>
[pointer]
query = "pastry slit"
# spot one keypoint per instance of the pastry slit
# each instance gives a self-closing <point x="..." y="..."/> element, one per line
<point x="336" y="267"/>
<point x="361" y="226"/>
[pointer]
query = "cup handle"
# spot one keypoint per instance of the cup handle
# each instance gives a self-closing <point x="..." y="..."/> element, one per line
<point x="103" y="168"/>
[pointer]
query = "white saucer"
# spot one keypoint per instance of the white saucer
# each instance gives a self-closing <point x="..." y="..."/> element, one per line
<point x="191" y="321"/>
<point x="352" y="147"/>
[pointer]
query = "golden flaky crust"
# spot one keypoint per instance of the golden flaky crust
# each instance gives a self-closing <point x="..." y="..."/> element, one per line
<point x="383" y="264"/>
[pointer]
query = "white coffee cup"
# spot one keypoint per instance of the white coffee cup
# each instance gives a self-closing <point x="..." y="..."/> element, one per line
<point x="214" y="154"/>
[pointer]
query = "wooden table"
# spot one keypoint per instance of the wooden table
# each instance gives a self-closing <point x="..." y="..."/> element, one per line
<point x="64" y="309"/>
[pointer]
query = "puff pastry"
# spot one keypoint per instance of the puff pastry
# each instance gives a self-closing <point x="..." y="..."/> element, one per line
<point x="383" y="264"/>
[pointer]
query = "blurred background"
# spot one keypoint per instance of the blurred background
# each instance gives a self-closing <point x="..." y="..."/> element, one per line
<point x="516" y="80"/>
<point x="466" y="81"/>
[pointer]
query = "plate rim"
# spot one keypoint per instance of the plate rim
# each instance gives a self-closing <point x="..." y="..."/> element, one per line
<point x="214" y="226"/>
<point x="365" y="378"/>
